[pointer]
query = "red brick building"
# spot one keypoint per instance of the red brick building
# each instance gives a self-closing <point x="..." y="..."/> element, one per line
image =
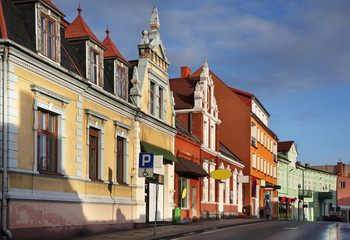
<point x="197" y="115"/>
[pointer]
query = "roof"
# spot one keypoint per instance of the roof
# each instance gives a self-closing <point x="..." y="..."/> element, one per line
<point x="3" y="30"/>
<point x="183" y="89"/>
<point x="79" y="29"/>
<point x="183" y="131"/>
<point x="225" y="151"/>
<point x="284" y="146"/>
<point x="112" y="50"/>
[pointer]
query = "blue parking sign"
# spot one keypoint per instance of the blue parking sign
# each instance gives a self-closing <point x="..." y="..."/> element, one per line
<point x="146" y="160"/>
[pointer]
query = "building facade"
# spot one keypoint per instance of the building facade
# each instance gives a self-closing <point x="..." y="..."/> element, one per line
<point x="72" y="131"/>
<point x="306" y="194"/>
<point x="343" y="186"/>
<point x="197" y="111"/>
<point x="262" y="167"/>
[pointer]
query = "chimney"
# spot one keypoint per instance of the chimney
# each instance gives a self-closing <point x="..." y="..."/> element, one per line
<point x="307" y="165"/>
<point x="185" y="72"/>
<point x="340" y="169"/>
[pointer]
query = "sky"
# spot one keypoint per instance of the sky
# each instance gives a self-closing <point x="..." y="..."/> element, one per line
<point x="294" y="56"/>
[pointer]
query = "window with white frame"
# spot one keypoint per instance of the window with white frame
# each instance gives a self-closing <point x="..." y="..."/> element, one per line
<point x="212" y="185"/>
<point x="94" y="66"/>
<point x="96" y="132"/>
<point x="265" y="166"/>
<point x="279" y="178"/>
<point x="284" y="180"/>
<point x="258" y="135"/>
<point x="227" y="190"/>
<point x="262" y="137"/>
<point x="261" y="164"/>
<point x="122" y="152"/>
<point x="49" y="131"/>
<point x="121" y="84"/>
<point x="157" y="95"/>
<point x="205" y="133"/>
<point x="290" y="182"/>
<point x="253" y="160"/>
<point x="205" y="183"/>
<point x="212" y="137"/>
<point x="48" y="36"/>
<point x="258" y="162"/>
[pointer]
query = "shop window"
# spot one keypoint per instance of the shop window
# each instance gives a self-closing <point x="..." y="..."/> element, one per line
<point x="183" y="193"/>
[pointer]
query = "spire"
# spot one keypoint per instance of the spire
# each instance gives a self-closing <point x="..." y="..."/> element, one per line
<point x="154" y="22"/>
<point x="107" y="31"/>
<point x="79" y="9"/>
<point x="205" y="69"/>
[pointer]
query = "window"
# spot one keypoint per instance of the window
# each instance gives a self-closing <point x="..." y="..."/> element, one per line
<point x="254" y="160"/>
<point x="94" y="67"/>
<point x="47" y="141"/>
<point x="121" y="83"/>
<point x="258" y="162"/>
<point x="258" y="134"/>
<point x="284" y="180"/>
<point x="160" y="102"/>
<point x="120" y="160"/>
<point x="262" y="164"/>
<point x="265" y="166"/>
<point x="212" y="185"/>
<point x="205" y="133"/>
<point x="47" y="37"/>
<point x="205" y="183"/>
<point x="152" y="97"/>
<point x="93" y="153"/>
<point x="212" y="137"/>
<point x="183" y="199"/>
<point x="342" y="185"/>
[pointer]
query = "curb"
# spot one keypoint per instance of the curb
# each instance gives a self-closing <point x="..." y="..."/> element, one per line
<point x="194" y="232"/>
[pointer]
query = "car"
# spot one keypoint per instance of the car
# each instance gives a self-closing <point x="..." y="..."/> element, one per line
<point x="334" y="216"/>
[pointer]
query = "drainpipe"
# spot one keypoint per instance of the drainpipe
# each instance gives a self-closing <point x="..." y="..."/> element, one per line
<point x="5" y="147"/>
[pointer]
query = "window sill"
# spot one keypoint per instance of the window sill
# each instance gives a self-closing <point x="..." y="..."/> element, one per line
<point x="50" y="173"/>
<point x="96" y="180"/>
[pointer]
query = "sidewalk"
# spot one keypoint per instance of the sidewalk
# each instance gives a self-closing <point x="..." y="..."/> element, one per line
<point x="171" y="231"/>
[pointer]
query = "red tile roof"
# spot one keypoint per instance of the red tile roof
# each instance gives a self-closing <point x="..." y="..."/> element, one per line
<point x="3" y="30"/>
<point x="112" y="50"/>
<point x="285" y="146"/>
<point x="79" y="29"/>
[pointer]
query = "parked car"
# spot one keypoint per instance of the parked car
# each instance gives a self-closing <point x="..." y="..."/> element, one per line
<point x="334" y="216"/>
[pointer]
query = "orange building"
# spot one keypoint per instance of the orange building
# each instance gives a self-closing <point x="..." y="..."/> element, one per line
<point x="262" y="167"/>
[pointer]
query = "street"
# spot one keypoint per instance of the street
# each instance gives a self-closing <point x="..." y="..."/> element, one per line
<point x="275" y="230"/>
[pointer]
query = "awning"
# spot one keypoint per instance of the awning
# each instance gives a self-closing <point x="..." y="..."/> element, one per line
<point x="188" y="169"/>
<point x="167" y="155"/>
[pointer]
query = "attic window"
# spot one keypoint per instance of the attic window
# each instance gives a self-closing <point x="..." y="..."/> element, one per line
<point x="94" y="66"/>
<point x="48" y="38"/>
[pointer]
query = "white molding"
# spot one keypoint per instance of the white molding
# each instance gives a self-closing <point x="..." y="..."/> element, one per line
<point x="28" y="194"/>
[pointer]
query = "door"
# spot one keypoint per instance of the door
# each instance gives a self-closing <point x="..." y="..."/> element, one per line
<point x="152" y="202"/>
<point x="194" y="202"/>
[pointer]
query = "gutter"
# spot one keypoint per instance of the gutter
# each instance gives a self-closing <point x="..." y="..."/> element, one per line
<point x="5" y="146"/>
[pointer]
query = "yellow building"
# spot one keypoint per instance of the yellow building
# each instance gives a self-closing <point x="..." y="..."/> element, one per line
<point x="71" y="132"/>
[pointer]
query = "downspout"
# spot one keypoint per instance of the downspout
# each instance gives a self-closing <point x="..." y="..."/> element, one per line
<point x="5" y="147"/>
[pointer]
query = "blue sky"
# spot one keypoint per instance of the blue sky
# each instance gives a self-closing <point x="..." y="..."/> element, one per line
<point x="293" y="55"/>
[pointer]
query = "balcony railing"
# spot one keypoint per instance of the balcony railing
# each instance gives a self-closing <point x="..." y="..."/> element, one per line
<point x="254" y="142"/>
<point x="305" y="194"/>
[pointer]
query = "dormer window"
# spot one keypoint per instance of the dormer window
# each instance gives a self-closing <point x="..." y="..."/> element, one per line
<point x="121" y="83"/>
<point x="48" y="36"/>
<point x="94" y="66"/>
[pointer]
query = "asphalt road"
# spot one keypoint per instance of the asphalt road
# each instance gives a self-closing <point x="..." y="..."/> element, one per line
<point x="275" y="230"/>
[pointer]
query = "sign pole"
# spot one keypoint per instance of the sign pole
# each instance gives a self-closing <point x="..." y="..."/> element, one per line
<point x="155" y="220"/>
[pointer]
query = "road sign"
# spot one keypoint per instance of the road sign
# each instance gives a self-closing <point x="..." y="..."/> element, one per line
<point x="146" y="160"/>
<point x="145" y="172"/>
<point x="146" y="164"/>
